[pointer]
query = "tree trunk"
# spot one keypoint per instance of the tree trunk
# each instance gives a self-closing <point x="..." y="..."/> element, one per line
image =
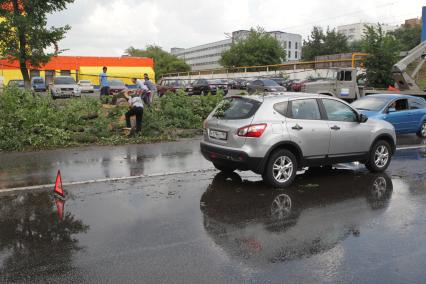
<point x="22" y="48"/>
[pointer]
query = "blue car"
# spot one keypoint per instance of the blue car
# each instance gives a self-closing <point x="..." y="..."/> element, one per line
<point x="406" y="113"/>
<point x="38" y="84"/>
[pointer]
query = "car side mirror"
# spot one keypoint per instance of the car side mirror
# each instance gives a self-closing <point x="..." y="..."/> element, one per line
<point x="391" y="109"/>
<point x="362" y="118"/>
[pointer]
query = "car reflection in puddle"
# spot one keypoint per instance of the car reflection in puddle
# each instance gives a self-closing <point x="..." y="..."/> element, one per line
<point x="258" y="224"/>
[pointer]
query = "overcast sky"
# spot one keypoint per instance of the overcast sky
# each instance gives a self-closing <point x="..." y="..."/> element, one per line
<point x="108" y="27"/>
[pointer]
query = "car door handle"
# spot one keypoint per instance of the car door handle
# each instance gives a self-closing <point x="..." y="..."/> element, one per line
<point x="335" y="127"/>
<point x="297" y="127"/>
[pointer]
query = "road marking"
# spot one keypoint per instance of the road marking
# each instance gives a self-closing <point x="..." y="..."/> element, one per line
<point x="45" y="186"/>
<point x="411" y="147"/>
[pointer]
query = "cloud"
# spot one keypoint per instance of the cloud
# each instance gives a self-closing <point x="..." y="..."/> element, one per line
<point x="108" y="27"/>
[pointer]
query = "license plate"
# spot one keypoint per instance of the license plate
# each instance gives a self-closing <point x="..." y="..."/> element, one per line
<point x="220" y="135"/>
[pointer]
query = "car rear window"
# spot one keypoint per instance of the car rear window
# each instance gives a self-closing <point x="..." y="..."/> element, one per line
<point x="237" y="108"/>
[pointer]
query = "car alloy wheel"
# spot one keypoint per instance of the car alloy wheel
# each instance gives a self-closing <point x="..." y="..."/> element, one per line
<point x="381" y="156"/>
<point x="281" y="207"/>
<point x="423" y="130"/>
<point x="282" y="169"/>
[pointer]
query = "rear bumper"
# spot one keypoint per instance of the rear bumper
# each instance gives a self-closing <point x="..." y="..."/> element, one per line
<point x="239" y="160"/>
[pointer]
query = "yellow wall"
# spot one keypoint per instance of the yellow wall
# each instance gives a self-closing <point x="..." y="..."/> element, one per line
<point x="11" y="74"/>
<point x="121" y="73"/>
<point x="90" y="73"/>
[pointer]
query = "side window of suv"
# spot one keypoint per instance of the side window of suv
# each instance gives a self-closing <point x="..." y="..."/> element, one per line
<point x="338" y="111"/>
<point x="305" y="109"/>
<point x="281" y="108"/>
<point x="417" y="103"/>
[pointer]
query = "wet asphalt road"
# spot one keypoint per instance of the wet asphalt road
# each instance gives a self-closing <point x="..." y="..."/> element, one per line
<point x="93" y="163"/>
<point x="339" y="226"/>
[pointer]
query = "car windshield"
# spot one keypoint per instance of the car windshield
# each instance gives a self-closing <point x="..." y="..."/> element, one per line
<point x="370" y="103"/>
<point x="236" y="108"/>
<point x="116" y="83"/>
<point x="64" y="81"/>
<point x="270" y="83"/>
<point x="38" y="81"/>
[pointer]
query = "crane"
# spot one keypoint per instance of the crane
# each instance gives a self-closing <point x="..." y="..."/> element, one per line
<point x="404" y="81"/>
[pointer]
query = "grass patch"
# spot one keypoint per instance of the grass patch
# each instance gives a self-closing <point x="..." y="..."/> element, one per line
<point x="33" y="122"/>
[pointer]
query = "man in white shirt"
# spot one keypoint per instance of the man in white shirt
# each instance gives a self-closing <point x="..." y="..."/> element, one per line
<point x="136" y="109"/>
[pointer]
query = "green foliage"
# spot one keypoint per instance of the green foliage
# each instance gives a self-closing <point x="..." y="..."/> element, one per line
<point x="23" y="32"/>
<point x="259" y="48"/>
<point x="356" y="46"/>
<point x="383" y="50"/>
<point x="164" y="62"/>
<point x="29" y="122"/>
<point x="320" y="43"/>
<point x="36" y="122"/>
<point x="408" y="37"/>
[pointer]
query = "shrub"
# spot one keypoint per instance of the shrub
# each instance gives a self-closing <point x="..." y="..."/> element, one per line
<point x="30" y="121"/>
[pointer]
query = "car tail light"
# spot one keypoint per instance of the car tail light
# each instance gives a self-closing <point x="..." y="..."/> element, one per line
<point x="255" y="130"/>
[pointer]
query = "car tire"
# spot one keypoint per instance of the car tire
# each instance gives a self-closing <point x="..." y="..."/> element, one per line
<point x="380" y="157"/>
<point x="223" y="168"/>
<point x="281" y="169"/>
<point x="422" y="132"/>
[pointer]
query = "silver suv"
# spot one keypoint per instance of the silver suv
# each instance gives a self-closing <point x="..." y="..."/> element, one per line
<point x="276" y="135"/>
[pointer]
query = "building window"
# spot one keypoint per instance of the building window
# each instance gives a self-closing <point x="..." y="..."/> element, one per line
<point x="34" y="73"/>
<point x="296" y="46"/>
<point x="65" y="73"/>
<point x="289" y="54"/>
<point x="289" y="45"/>
<point x="295" y="54"/>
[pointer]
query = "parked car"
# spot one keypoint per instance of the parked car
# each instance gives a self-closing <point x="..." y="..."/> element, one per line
<point x="64" y="87"/>
<point x="17" y="83"/>
<point x="280" y="81"/>
<point x="406" y="113"/>
<point x="220" y="84"/>
<point x="173" y="86"/>
<point x="204" y="87"/>
<point x="116" y="86"/>
<point x="296" y="85"/>
<point x="264" y="85"/>
<point x="238" y="84"/>
<point x="38" y="84"/>
<point x="86" y="86"/>
<point x="276" y="135"/>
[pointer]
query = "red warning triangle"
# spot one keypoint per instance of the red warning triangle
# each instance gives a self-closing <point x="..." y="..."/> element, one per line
<point x="60" y="207"/>
<point x="58" y="185"/>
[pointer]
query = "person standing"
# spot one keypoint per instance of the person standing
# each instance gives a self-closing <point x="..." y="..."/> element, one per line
<point x="136" y="109"/>
<point x="103" y="82"/>
<point x="151" y="86"/>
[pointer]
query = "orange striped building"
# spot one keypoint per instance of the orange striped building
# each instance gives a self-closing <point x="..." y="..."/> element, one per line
<point x="83" y="68"/>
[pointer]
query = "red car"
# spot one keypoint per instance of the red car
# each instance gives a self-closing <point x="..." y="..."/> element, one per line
<point x="296" y="86"/>
<point x="116" y="86"/>
<point x="165" y="86"/>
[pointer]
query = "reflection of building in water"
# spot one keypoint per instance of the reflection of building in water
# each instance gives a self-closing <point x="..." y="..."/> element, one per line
<point x="33" y="238"/>
<point x="258" y="224"/>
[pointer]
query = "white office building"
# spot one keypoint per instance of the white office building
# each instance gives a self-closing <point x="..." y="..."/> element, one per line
<point x="355" y="32"/>
<point x="207" y="56"/>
